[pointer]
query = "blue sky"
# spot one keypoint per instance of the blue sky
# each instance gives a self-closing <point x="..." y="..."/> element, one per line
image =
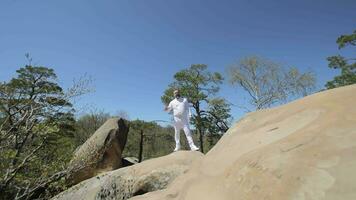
<point x="132" y="48"/>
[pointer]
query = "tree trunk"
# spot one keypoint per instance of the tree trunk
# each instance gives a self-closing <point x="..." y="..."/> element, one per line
<point x="141" y="147"/>
<point x="200" y="130"/>
<point x="198" y="125"/>
<point x="201" y="140"/>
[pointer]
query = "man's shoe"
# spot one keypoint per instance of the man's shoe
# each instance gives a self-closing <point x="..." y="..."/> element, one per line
<point x="176" y="149"/>
<point x="194" y="148"/>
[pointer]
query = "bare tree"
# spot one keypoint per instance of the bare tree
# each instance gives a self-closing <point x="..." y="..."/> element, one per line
<point x="88" y="123"/>
<point x="123" y="114"/>
<point x="268" y="83"/>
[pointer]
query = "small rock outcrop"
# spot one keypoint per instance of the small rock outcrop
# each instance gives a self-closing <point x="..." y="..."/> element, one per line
<point x="100" y="153"/>
<point x="128" y="161"/>
<point x="124" y="183"/>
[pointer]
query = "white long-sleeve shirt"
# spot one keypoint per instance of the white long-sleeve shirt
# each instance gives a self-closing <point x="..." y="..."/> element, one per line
<point x="180" y="108"/>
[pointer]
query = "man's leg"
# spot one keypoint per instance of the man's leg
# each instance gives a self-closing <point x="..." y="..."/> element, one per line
<point x="189" y="138"/>
<point x="177" y="136"/>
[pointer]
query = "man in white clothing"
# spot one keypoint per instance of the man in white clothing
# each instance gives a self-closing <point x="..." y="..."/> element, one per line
<point x="181" y="115"/>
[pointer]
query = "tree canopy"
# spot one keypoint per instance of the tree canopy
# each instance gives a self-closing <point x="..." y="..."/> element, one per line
<point x="200" y="86"/>
<point x="347" y="66"/>
<point x="37" y="126"/>
<point x="267" y="82"/>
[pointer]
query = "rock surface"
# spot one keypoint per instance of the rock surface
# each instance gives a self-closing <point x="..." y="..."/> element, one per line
<point x="101" y="152"/>
<point x="304" y="150"/>
<point x="123" y="183"/>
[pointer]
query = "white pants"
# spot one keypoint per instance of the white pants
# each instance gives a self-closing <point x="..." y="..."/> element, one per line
<point x="182" y="124"/>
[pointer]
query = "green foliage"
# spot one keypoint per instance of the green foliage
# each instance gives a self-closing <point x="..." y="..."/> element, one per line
<point x="217" y="116"/>
<point x="346" y="66"/>
<point x="345" y="40"/>
<point x="36" y="130"/>
<point x="200" y="86"/>
<point x="195" y="83"/>
<point x="156" y="140"/>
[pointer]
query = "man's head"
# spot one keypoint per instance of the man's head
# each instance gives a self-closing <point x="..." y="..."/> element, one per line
<point x="176" y="93"/>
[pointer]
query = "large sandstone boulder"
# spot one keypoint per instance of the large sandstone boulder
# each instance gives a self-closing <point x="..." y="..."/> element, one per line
<point x="101" y="152"/>
<point x="123" y="183"/>
<point x="305" y="150"/>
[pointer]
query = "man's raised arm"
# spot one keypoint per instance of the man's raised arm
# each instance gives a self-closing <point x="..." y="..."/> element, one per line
<point x="168" y="108"/>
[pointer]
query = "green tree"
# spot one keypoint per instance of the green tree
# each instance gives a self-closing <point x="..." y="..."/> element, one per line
<point x="36" y="131"/>
<point x="148" y="140"/>
<point x="217" y="115"/>
<point x="146" y="133"/>
<point x="268" y="83"/>
<point x="199" y="86"/>
<point x="346" y="66"/>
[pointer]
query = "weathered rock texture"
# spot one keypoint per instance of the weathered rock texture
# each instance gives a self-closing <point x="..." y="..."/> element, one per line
<point x="305" y="150"/>
<point x="123" y="183"/>
<point x="101" y="152"/>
